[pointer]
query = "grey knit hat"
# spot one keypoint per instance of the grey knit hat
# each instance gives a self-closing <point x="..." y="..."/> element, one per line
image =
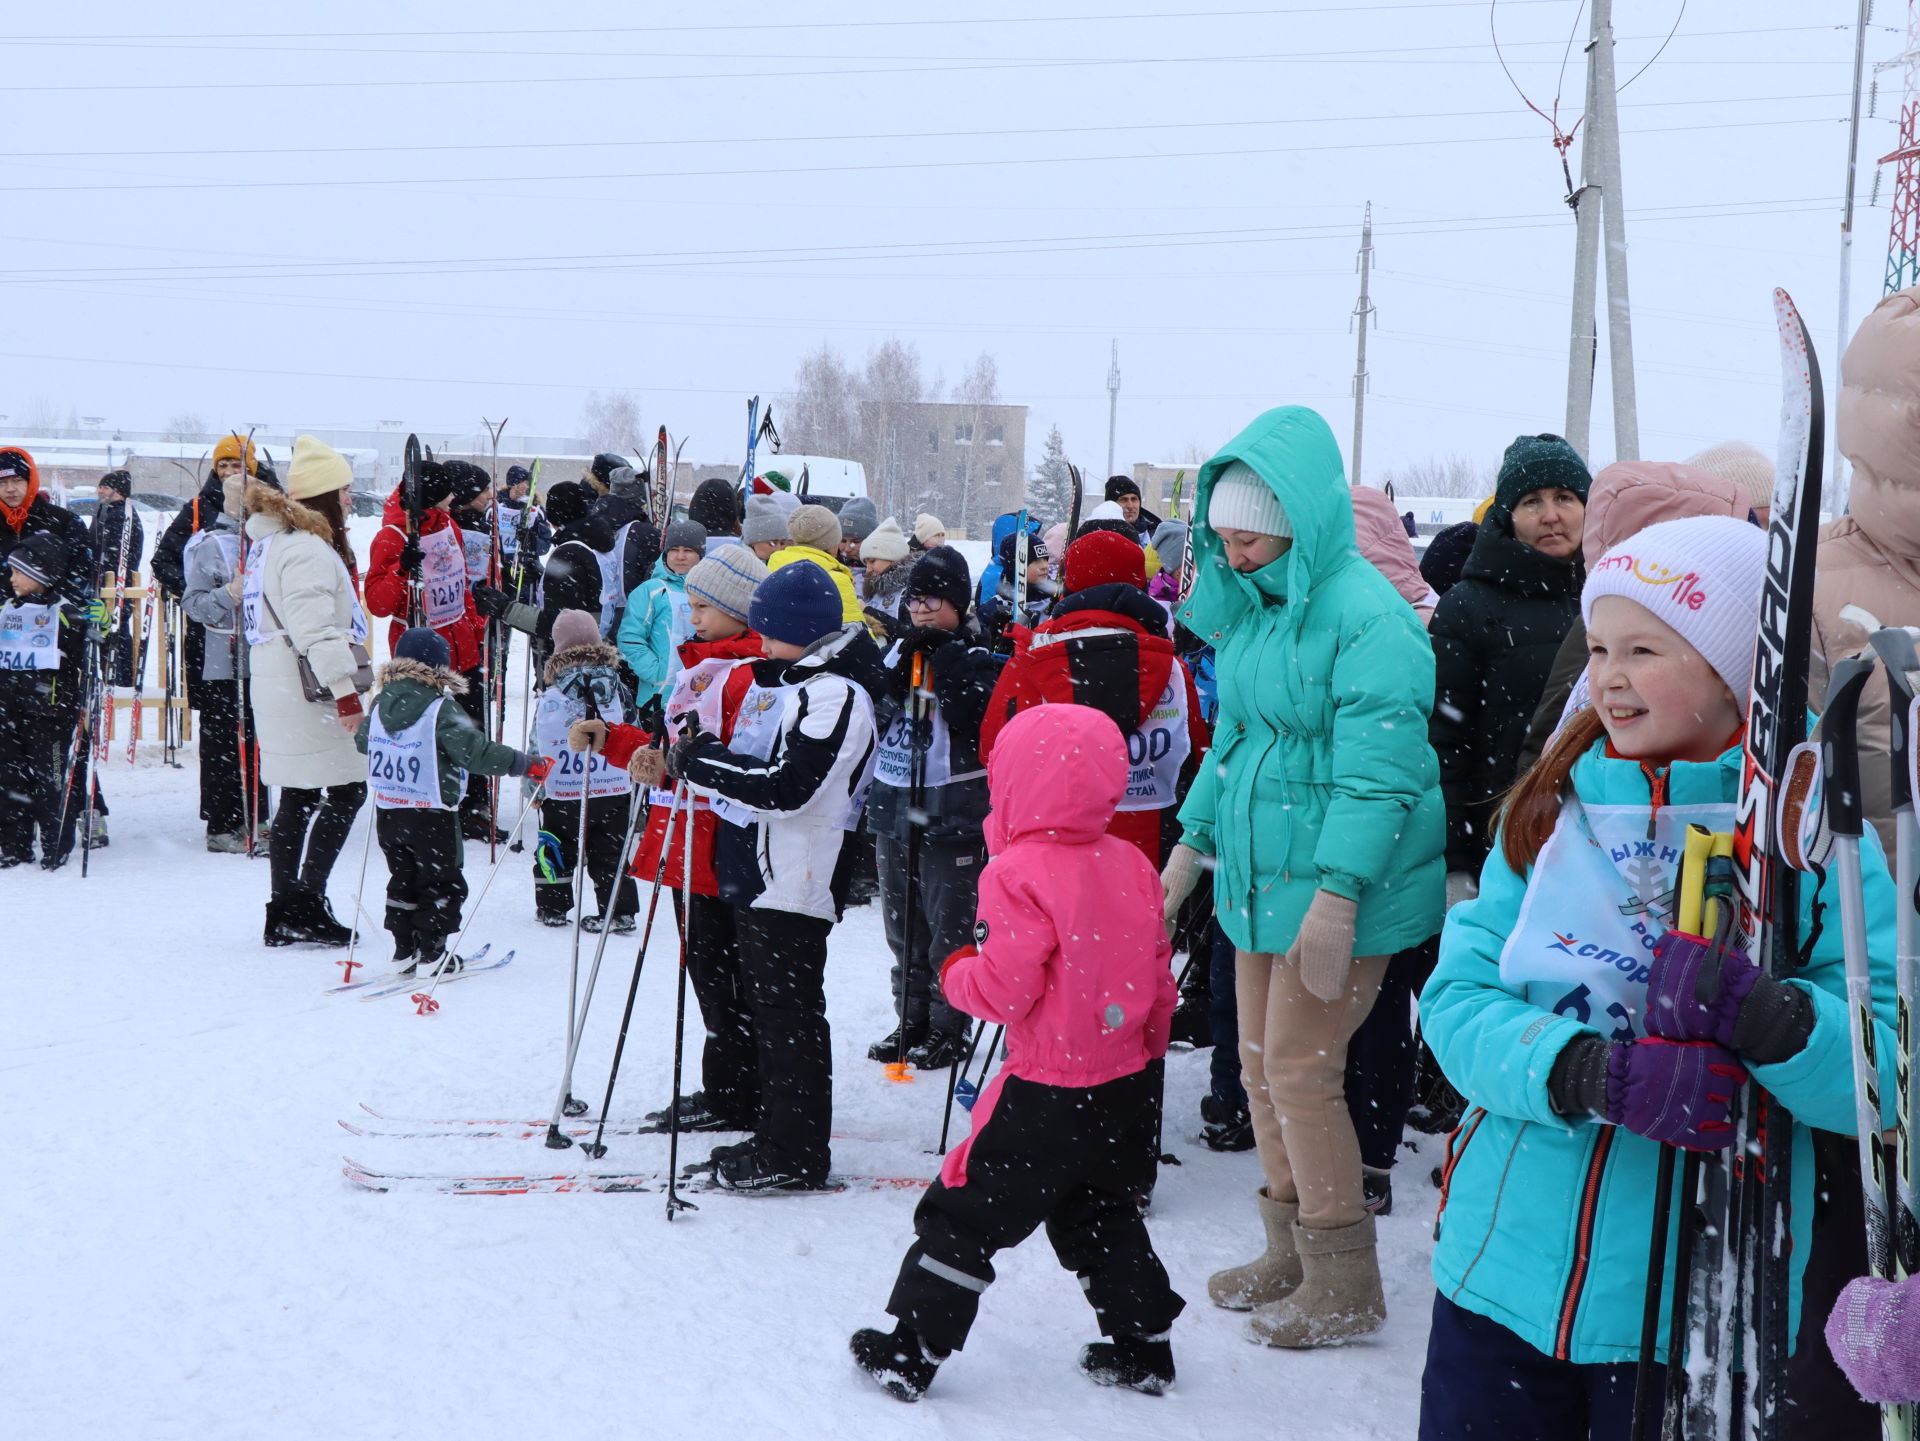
<point x="727" y="580"/>
<point x="858" y="518"/>
<point x="765" y="521"/>
<point x="687" y="534"/>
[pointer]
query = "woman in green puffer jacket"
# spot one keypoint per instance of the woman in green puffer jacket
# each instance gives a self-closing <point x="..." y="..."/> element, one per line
<point x="1321" y="814"/>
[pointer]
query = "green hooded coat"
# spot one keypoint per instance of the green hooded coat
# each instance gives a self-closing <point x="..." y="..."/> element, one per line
<point x="1320" y="776"/>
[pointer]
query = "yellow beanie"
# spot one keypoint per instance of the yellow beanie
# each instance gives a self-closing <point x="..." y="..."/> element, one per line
<point x="229" y="447"/>
<point x="317" y="469"/>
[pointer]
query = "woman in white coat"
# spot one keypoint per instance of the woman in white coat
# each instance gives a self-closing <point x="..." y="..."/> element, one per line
<point x="300" y="601"/>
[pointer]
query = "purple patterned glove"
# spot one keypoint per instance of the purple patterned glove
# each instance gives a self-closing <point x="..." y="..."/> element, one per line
<point x="1676" y="1009"/>
<point x="1677" y="1092"/>
<point x="1874" y="1333"/>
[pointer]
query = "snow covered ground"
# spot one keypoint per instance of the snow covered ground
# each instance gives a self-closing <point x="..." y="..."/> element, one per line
<point x="187" y="1260"/>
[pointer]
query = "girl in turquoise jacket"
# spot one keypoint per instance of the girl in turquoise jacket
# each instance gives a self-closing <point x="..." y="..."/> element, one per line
<point x="1321" y="813"/>
<point x="1576" y="1036"/>
<point x="659" y="618"/>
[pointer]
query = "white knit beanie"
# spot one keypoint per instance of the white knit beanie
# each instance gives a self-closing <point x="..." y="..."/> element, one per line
<point x="1742" y="464"/>
<point x="886" y="541"/>
<point x="1701" y="576"/>
<point x="926" y="527"/>
<point x="1241" y="500"/>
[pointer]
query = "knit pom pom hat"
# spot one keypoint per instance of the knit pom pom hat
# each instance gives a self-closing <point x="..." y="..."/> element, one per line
<point x="1701" y="576"/>
<point x="1241" y="500"/>
<point x="765" y="521"/>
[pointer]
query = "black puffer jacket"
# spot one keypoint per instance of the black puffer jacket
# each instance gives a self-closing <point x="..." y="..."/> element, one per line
<point x="1494" y="635"/>
<point x="572" y="580"/>
<point x="962" y="676"/>
<point x="46" y="517"/>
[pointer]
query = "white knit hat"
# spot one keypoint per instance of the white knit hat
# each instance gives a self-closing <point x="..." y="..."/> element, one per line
<point x="1241" y="500"/>
<point x="1742" y="464"/>
<point x="886" y="541"/>
<point x="926" y="527"/>
<point x="1701" y="576"/>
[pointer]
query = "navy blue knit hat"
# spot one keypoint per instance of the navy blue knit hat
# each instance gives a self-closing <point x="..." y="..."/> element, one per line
<point x="424" y="645"/>
<point x="798" y="604"/>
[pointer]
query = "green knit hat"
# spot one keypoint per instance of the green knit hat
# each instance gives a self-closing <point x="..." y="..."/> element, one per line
<point x="1536" y="462"/>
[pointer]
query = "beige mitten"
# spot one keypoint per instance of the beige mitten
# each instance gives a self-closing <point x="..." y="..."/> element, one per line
<point x="1178" y="880"/>
<point x="587" y="735"/>
<point x="1324" y="948"/>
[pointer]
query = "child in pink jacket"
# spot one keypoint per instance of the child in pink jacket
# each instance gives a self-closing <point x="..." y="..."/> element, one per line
<point x="1071" y="954"/>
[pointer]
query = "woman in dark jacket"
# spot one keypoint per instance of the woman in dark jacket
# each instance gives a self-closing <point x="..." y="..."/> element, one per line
<point x="1495" y="634"/>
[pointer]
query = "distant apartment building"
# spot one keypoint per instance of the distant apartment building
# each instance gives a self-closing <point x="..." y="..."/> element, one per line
<point x="1156" y="484"/>
<point x="963" y="463"/>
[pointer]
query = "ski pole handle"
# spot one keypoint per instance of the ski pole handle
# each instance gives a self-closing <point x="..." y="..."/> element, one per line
<point x="1839" y="742"/>
<point x="1898" y="653"/>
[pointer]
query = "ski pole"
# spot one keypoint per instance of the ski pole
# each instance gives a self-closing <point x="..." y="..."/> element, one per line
<point x="557" y="1141"/>
<point x="360" y="889"/>
<point x="916" y="802"/>
<point x="1839" y="725"/>
<point x="954" y="1072"/>
<point x="569" y="1104"/>
<point x="453" y="951"/>
<point x="597" y="1147"/>
<point x="1902" y="660"/>
<point x="675" y="1201"/>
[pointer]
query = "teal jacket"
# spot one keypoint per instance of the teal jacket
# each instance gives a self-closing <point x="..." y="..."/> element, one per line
<point x="646" y="632"/>
<point x="1544" y="1221"/>
<point x="1320" y="775"/>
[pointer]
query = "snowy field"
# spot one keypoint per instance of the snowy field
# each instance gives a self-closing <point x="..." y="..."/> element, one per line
<point x="189" y="1262"/>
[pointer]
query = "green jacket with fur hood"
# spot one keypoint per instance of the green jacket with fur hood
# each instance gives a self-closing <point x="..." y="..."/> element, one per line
<point x="1320" y="776"/>
<point x="407" y="688"/>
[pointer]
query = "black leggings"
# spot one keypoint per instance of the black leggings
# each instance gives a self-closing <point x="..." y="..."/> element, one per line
<point x="298" y="853"/>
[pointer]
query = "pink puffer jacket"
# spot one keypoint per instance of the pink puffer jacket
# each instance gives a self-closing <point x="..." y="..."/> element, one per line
<point x="1072" y="953"/>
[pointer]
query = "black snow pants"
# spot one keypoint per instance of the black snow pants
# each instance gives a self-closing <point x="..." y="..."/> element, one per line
<point x="784" y="958"/>
<point x="33" y="797"/>
<point x="309" y="828"/>
<point x="425" y="883"/>
<point x="223" y="804"/>
<point x="729" y="1061"/>
<point x="1071" y="1158"/>
<point x="606" y="866"/>
<point x="946" y="897"/>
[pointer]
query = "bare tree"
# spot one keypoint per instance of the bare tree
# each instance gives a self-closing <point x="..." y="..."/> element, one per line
<point x="823" y="410"/>
<point x="41" y="416"/>
<point x="889" y="446"/>
<point x="610" y="420"/>
<point x="186" y="425"/>
<point x="981" y="384"/>
<point x="979" y="387"/>
<point x="1455" y="477"/>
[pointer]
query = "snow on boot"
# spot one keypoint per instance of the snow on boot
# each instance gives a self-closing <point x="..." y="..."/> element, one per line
<point x="621" y="926"/>
<point x="1338" y="1300"/>
<point x="227" y="843"/>
<point x="1140" y="1363"/>
<point x="898" y="1360"/>
<point x="1270" y="1276"/>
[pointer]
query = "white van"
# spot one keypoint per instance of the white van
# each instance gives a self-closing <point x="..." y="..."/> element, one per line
<point x="818" y="479"/>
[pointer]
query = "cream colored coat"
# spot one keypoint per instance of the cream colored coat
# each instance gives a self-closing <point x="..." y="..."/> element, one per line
<point x="1870" y="557"/>
<point x="302" y="744"/>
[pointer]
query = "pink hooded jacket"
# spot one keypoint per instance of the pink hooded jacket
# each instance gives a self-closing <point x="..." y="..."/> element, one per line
<point x="1382" y="539"/>
<point x="1072" y="953"/>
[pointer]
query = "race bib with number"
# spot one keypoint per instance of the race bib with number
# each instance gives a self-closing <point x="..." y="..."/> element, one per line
<point x="443" y="577"/>
<point x="1157" y="751"/>
<point x="552" y="719"/>
<point x="403" y="769"/>
<point x="29" y="637"/>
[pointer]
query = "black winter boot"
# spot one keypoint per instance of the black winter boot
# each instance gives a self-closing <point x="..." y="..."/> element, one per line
<point x="938" y="1051"/>
<point x="316" y="917"/>
<point x="899" y="1360"/>
<point x="280" y="931"/>
<point x="1137" y="1362"/>
<point x="1223" y="1126"/>
<point x="887" y="1048"/>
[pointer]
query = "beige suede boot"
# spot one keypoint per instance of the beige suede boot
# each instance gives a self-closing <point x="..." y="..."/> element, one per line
<point x="1269" y="1277"/>
<point x="1339" y="1297"/>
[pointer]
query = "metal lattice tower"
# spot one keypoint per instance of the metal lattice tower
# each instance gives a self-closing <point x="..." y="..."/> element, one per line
<point x="1903" y="244"/>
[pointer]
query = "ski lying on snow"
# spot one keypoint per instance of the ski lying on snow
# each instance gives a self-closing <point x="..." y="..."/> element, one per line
<point x="526" y="1185"/>
<point x="381" y="980"/>
<point x="440" y="1128"/>
<point x="407" y="984"/>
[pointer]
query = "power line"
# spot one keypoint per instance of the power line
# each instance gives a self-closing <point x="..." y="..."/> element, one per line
<point x="1371" y="56"/>
<point x="867" y="168"/>
<point x="653" y="141"/>
<point x="1182" y="15"/>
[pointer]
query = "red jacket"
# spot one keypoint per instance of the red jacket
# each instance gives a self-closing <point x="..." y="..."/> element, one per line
<point x="663" y="828"/>
<point x="387" y="584"/>
<point x="1121" y="668"/>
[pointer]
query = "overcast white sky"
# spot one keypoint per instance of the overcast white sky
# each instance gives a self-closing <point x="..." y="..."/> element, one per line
<point x="334" y="215"/>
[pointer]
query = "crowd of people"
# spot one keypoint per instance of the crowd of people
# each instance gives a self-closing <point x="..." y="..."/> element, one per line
<point x="1353" y="784"/>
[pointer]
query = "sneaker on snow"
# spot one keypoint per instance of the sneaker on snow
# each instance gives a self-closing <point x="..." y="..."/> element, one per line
<point x="898" y="1360"/>
<point x="227" y="843"/>
<point x="1225" y="1127"/>
<point x="622" y="925"/>
<point x="697" y="1114"/>
<point x="1135" y="1362"/>
<point x="887" y="1048"/>
<point x="938" y="1051"/>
